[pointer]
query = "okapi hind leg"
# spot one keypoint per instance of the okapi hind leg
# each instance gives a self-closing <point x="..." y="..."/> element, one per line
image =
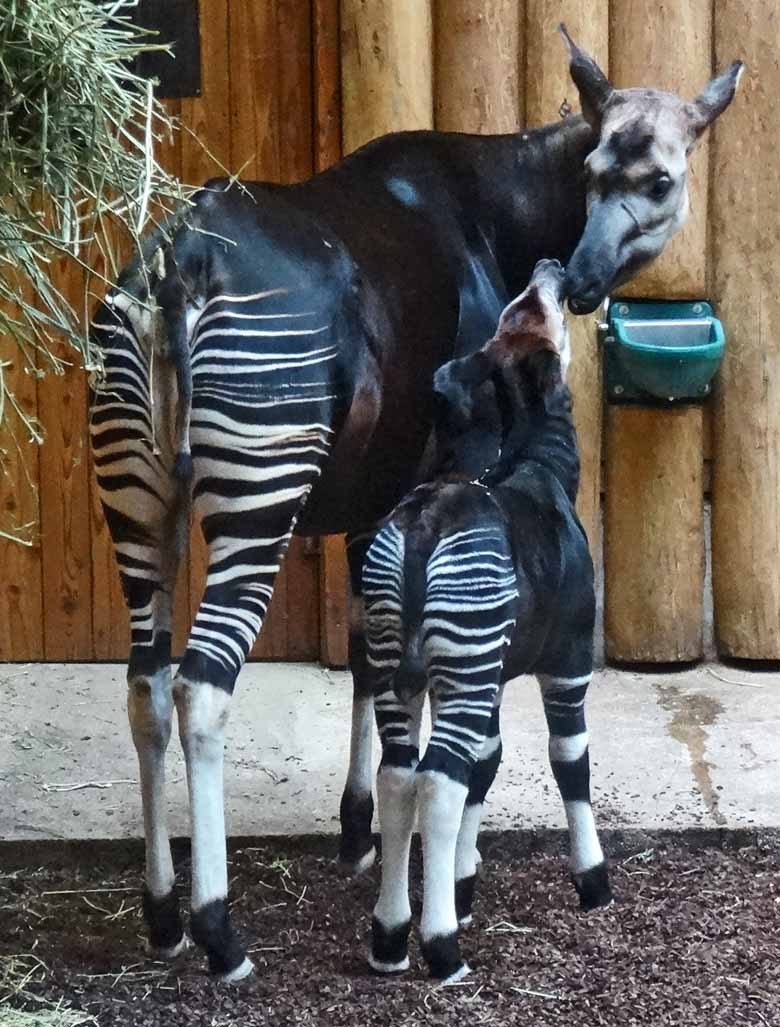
<point x="467" y="856"/>
<point x="399" y="729"/>
<point x="245" y="551"/>
<point x="148" y="581"/>
<point x="356" y="846"/>
<point x="564" y="709"/>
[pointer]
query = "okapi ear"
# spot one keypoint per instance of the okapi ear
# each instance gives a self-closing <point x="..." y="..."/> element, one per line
<point x="715" y="98"/>
<point x="592" y="84"/>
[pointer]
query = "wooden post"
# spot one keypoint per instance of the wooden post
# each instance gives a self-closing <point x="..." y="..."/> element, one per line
<point x="654" y="516"/>
<point x="654" y="535"/>
<point x="386" y="68"/>
<point x="547" y="85"/>
<point x="745" y="227"/>
<point x="476" y="64"/>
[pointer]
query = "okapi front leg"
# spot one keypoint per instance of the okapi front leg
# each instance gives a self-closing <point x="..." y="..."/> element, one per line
<point x="564" y="709"/>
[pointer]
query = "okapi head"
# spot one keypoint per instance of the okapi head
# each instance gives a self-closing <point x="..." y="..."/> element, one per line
<point x="637" y="192"/>
<point x="514" y="371"/>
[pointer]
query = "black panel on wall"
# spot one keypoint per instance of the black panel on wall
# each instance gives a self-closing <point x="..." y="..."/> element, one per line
<point x="175" y="22"/>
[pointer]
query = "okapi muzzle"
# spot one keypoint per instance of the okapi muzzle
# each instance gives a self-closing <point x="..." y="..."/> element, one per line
<point x="637" y="192"/>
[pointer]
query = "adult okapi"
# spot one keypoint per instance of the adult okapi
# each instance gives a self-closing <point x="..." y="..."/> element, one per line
<point x="283" y="381"/>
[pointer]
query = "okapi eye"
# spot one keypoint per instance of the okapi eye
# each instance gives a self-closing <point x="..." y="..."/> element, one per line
<point x="660" y="187"/>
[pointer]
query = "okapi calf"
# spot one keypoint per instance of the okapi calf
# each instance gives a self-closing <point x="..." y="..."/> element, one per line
<point x="469" y="584"/>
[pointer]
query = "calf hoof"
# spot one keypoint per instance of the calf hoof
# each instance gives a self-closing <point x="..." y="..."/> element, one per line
<point x="593" y="887"/>
<point x="242" y="971"/>
<point x="356" y="848"/>
<point x="464" y="899"/>
<point x="166" y="930"/>
<point x="442" y="954"/>
<point x="389" y="947"/>
<point x="212" y="930"/>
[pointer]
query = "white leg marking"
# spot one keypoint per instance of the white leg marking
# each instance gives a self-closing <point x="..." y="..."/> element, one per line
<point x="359" y="775"/>
<point x="202" y="713"/>
<point x="586" y="849"/>
<point x="441" y="803"/>
<point x="150" y="709"/>
<point x="396" y="794"/>
<point x="568" y="749"/>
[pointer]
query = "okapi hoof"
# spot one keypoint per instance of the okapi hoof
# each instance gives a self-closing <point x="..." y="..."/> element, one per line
<point x="389" y="947"/>
<point x="464" y="899"/>
<point x="442" y="954"/>
<point x="167" y="939"/>
<point x="212" y="930"/>
<point x="356" y="848"/>
<point x="168" y="955"/>
<point x="593" y="887"/>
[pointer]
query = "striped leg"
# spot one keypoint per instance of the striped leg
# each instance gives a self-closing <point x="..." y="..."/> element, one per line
<point x="564" y="708"/>
<point x="467" y="857"/>
<point x="399" y="729"/>
<point x="147" y="514"/>
<point x="244" y="557"/>
<point x="356" y="847"/>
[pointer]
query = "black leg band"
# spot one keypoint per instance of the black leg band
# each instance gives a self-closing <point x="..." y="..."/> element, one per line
<point x="163" y="919"/>
<point x="356" y="813"/>
<point x="211" y="929"/>
<point x="389" y="945"/>
<point x="442" y="954"/>
<point x="464" y="896"/>
<point x="593" y="887"/>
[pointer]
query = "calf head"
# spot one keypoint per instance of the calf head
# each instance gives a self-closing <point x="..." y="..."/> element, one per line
<point x="637" y="192"/>
<point x="526" y="358"/>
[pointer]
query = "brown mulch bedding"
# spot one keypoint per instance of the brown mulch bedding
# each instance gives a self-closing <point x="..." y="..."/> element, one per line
<point x="694" y="939"/>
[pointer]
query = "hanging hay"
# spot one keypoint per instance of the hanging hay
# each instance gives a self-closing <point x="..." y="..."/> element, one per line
<point x="78" y="175"/>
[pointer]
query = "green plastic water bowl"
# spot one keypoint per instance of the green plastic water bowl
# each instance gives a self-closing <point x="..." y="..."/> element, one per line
<point x="661" y="352"/>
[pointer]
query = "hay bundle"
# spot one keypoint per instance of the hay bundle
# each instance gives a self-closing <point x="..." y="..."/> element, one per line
<point x="77" y="171"/>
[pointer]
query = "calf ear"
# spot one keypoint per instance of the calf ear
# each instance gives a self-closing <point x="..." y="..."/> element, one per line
<point x="455" y="382"/>
<point x="715" y="98"/>
<point x="592" y="84"/>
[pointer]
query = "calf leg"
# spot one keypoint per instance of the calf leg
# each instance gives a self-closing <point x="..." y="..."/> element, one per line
<point x="356" y="848"/>
<point x="399" y="728"/>
<point x="467" y="857"/>
<point x="564" y="708"/>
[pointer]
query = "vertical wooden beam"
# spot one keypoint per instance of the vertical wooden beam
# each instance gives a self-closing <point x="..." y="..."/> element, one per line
<point x="655" y="535"/>
<point x="64" y="493"/>
<point x="386" y="68"/>
<point x="327" y="83"/>
<point x="547" y="86"/>
<point x="21" y="600"/>
<point x="745" y="227"/>
<point x="654" y="516"/>
<point x="476" y="65"/>
<point x="333" y="571"/>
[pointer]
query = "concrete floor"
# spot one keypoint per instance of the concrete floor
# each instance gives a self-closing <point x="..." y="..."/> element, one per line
<point x="695" y="749"/>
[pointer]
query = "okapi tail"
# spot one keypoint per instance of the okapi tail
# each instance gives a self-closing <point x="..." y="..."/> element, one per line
<point x="420" y="544"/>
<point x="171" y="298"/>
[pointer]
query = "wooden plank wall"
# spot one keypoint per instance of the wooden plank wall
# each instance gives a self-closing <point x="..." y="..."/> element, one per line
<point x="277" y="77"/>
